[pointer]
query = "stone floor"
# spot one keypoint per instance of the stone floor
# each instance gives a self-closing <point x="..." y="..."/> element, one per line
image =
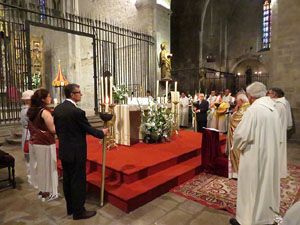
<point x="22" y="206"/>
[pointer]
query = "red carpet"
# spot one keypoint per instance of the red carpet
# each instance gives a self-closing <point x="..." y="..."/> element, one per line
<point x="220" y="193"/>
<point x="136" y="175"/>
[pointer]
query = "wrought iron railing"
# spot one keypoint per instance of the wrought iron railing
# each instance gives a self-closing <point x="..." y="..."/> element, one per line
<point x="126" y="54"/>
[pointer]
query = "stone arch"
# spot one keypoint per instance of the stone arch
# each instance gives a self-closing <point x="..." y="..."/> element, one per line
<point x="249" y="60"/>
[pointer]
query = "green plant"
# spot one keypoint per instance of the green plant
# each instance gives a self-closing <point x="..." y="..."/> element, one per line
<point x="120" y="93"/>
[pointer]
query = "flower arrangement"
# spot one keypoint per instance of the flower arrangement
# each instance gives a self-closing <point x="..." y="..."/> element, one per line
<point x="120" y="93"/>
<point x="156" y="123"/>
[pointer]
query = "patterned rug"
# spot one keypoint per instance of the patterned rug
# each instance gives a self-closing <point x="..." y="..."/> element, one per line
<point x="221" y="193"/>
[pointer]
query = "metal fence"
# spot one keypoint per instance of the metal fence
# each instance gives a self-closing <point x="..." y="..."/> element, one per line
<point x="126" y="54"/>
<point x="205" y="80"/>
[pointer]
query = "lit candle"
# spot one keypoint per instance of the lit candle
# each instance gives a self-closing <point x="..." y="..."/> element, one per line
<point x="106" y="103"/>
<point x="111" y="92"/>
<point x="167" y="85"/>
<point x="102" y="91"/>
<point x="175" y="97"/>
<point x="157" y="88"/>
<point x="106" y="95"/>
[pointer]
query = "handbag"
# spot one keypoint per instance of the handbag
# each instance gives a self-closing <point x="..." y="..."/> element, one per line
<point x="26" y="143"/>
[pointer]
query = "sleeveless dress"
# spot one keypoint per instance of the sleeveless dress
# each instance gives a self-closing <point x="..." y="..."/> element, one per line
<point x="43" y="159"/>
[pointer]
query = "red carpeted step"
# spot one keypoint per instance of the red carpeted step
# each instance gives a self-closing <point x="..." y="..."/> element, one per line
<point x="131" y="196"/>
<point x="223" y="148"/>
<point x="222" y="139"/>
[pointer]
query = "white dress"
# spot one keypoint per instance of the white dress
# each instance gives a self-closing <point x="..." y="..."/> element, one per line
<point x="259" y="139"/>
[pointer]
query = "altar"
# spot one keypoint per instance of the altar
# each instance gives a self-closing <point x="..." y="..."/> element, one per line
<point x="127" y="122"/>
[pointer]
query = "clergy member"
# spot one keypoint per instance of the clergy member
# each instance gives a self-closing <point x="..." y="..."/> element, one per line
<point x="227" y="97"/>
<point x="184" y="110"/>
<point x="280" y="105"/>
<point x="258" y="138"/>
<point x="211" y="101"/>
<point x="219" y="117"/>
<point x="238" y="112"/>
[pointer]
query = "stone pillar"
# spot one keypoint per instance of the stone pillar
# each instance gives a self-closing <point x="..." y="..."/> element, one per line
<point x="285" y="51"/>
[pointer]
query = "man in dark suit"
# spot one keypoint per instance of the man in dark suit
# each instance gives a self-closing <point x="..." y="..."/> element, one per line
<point x="201" y="108"/>
<point x="71" y="127"/>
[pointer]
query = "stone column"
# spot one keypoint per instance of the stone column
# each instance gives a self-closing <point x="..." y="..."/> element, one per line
<point x="285" y="51"/>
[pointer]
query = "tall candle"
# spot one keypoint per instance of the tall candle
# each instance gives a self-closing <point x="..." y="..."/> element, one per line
<point x="111" y="92"/>
<point x="106" y="95"/>
<point x="102" y="91"/>
<point x="157" y="88"/>
<point x="175" y="97"/>
<point x="167" y="91"/>
<point x="106" y="103"/>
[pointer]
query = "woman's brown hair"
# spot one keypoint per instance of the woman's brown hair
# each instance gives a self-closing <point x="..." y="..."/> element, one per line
<point x="37" y="103"/>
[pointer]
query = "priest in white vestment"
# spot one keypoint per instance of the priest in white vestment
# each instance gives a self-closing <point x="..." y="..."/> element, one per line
<point x="280" y="104"/>
<point x="259" y="138"/>
<point x="211" y="101"/>
<point x="292" y="216"/>
<point x="184" y="110"/>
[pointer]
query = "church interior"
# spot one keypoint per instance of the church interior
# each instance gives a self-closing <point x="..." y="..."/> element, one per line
<point x="123" y="53"/>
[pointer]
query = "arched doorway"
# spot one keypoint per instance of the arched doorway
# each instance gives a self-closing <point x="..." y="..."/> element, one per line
<point x="248" y="71"/>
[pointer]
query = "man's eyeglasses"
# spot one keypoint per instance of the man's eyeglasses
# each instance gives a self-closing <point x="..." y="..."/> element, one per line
<point x="76" y="92"/>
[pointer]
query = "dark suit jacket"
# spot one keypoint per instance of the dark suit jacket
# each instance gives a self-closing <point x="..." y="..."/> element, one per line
<point x="71" y="127"/>
<point x="203" y="106"/>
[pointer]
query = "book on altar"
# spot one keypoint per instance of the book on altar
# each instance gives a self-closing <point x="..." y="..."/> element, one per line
<point x="213" y="129"/>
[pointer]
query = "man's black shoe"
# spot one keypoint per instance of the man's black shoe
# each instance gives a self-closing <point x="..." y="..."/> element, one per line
<point x="84" y="215"/>
<point x="233" y="221"/>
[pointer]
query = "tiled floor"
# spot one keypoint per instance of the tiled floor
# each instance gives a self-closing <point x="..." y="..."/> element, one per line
<point x="22" y="206"/>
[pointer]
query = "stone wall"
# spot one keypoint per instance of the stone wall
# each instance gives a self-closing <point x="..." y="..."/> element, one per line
<point x="285" y="51"/>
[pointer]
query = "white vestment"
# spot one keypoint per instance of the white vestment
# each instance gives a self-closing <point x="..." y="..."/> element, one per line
<point x="184" y="111"/>
<point x="289" y="113"/>
<point x="259" y="138"/>
<point x="280" y="105"/>
<point x="292" y="216"/>
<point x="211" y="101"/>
<point x="228" y="99"/>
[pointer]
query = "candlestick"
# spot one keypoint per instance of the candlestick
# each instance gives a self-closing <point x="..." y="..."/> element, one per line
<point x="106" y="89"/>
<point x="157" y="88"/>
<point x="176" y="86"/>
<point x="110" y="91"/>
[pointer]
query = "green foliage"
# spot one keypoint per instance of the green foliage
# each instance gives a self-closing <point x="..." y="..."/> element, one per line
<point x="120" y="93"/>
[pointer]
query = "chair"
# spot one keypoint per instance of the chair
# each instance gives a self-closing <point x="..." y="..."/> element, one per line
<point x="7" y="161"/>
<point x="213" y="161"/>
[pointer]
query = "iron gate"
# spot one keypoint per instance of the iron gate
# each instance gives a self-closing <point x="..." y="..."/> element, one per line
<point x="127" y="55"/>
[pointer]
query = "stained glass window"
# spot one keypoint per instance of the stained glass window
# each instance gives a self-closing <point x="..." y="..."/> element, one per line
<point x="43" y="9"/>
<point x="266" y="41"/>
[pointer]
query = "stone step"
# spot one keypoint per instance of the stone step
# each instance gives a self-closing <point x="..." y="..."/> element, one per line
<point x="14" y="141"/>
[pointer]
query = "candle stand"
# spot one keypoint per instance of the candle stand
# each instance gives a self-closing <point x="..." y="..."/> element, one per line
<point x="108" y="142"/>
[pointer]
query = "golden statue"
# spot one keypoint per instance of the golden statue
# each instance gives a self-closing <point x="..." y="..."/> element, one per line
<point x="165" y="62"/>
<point x="234" y="120"/>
